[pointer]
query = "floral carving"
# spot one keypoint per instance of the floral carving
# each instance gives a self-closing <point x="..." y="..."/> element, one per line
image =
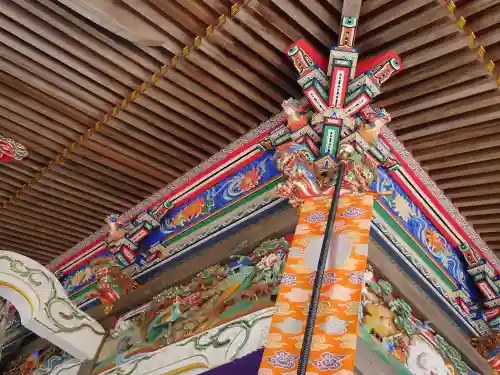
<point x="391" y="323"/>
<point x="11" y="150"/>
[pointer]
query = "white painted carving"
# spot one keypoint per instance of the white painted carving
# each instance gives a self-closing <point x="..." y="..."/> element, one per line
<point x="207" y="350"/>
<point x="45" y="308"/>
<point x="423" y="359"/>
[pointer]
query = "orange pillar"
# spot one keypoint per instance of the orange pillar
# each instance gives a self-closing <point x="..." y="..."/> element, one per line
<point x="335" y="331"/>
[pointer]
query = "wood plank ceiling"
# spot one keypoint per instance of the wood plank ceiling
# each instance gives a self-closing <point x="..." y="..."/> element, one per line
<point x="64" y="65"/>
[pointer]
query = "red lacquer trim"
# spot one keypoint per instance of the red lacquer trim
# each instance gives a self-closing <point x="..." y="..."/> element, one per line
<point x="366" y="65"/>
<point x="177" y="204"/>
<point x="319" y="60"/>
<point x="77" y="255"/>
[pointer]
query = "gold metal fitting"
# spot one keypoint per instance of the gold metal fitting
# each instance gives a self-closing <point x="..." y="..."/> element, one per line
<point x="481" y="51"/>
<point x="210" y="30"/>
<point x="472" y="39"/>
<point x="461" y="22"/>
<point x="235" y="9"/>
<point x="452" y="7"/>
<point x="197" y="41"/>
<point x="490" y="67"/>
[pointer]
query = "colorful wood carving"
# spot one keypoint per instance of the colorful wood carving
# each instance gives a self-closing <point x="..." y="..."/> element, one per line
<point x="48" y="361"/>
<point x="112" y="283"/>
<point x="487" y="281"/>
<point x="11" y="150"/>
<point x="389" y="321"/>
<point x="489" y="347"/>
<point x="225" y="303"/>
<point x="316" y="165"/>
<point x="215" y="296"/>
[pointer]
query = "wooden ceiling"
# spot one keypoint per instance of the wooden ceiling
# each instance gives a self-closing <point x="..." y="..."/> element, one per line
<point x="71" y="65"/>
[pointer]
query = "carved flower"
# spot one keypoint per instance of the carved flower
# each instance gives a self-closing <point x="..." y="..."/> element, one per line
<point x="268" y="261"/>
<point x="403" y="208"/>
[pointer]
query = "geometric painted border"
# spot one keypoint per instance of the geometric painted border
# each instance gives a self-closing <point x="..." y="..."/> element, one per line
<point x="450" y="213"/>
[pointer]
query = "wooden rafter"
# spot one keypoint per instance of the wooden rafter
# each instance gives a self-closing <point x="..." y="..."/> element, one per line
<point x="211" y="78"/>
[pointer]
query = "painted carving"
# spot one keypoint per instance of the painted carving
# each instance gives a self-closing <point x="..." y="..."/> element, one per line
<point x="45" y="308"/>
<point x="48" y="361"/>
<point x="489" y="347"/>
<point x="304" y="178"/>
<point x="112" y="283"/>
<point x="307" y="178"/>
<point x="215" y="296"/>
<point x="11" y="150"/>
<point x="414" y="343"/>
<point x="116" y="231"/>
<point x="301" y="61"/>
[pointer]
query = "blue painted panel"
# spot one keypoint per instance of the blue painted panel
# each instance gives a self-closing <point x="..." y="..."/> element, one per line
<point x="421" y="228"/>
<point x="213" y="199"/>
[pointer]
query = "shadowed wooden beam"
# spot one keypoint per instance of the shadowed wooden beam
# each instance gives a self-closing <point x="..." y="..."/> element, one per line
<point x="438" y="99"/>
<point x="297" y="13"/>
<point x="448" y="124"/>
<point x="372" y="41"/>
<point x="473" y="6"/>
<point x="466" y="170"/>
<point x="487" y="228"/>
<point x="477" y="201"/>
<point x="478" y="179"/>
<point x="462" y="159"/>
<point x="432" y="68"/>
<point x="280" y="224"/>
<point x="371" y="5"/>
<point x="479" y="191"/>
<point x="467" y="133"/>
<point x="478" y="101"/>
<point x="492" y="237"/>
<point x="481" y="143"/>
<point x="493" y="209"/>
<point x="398" y="10"/>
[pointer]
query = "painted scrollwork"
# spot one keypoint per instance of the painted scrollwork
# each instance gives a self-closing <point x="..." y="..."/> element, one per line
<point x="45" y="308"/>
<point x="11" y="150"/>
<point x="62" y="314"/>
<point x="215" y="297"/>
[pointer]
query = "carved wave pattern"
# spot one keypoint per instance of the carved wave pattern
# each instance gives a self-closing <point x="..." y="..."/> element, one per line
<point x="421" y="228"/>
<point x="213" y="199"/>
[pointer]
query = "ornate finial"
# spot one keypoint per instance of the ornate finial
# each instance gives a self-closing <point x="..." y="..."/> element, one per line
<point x="115" y="230"/>
<point x="11" y="150"/>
